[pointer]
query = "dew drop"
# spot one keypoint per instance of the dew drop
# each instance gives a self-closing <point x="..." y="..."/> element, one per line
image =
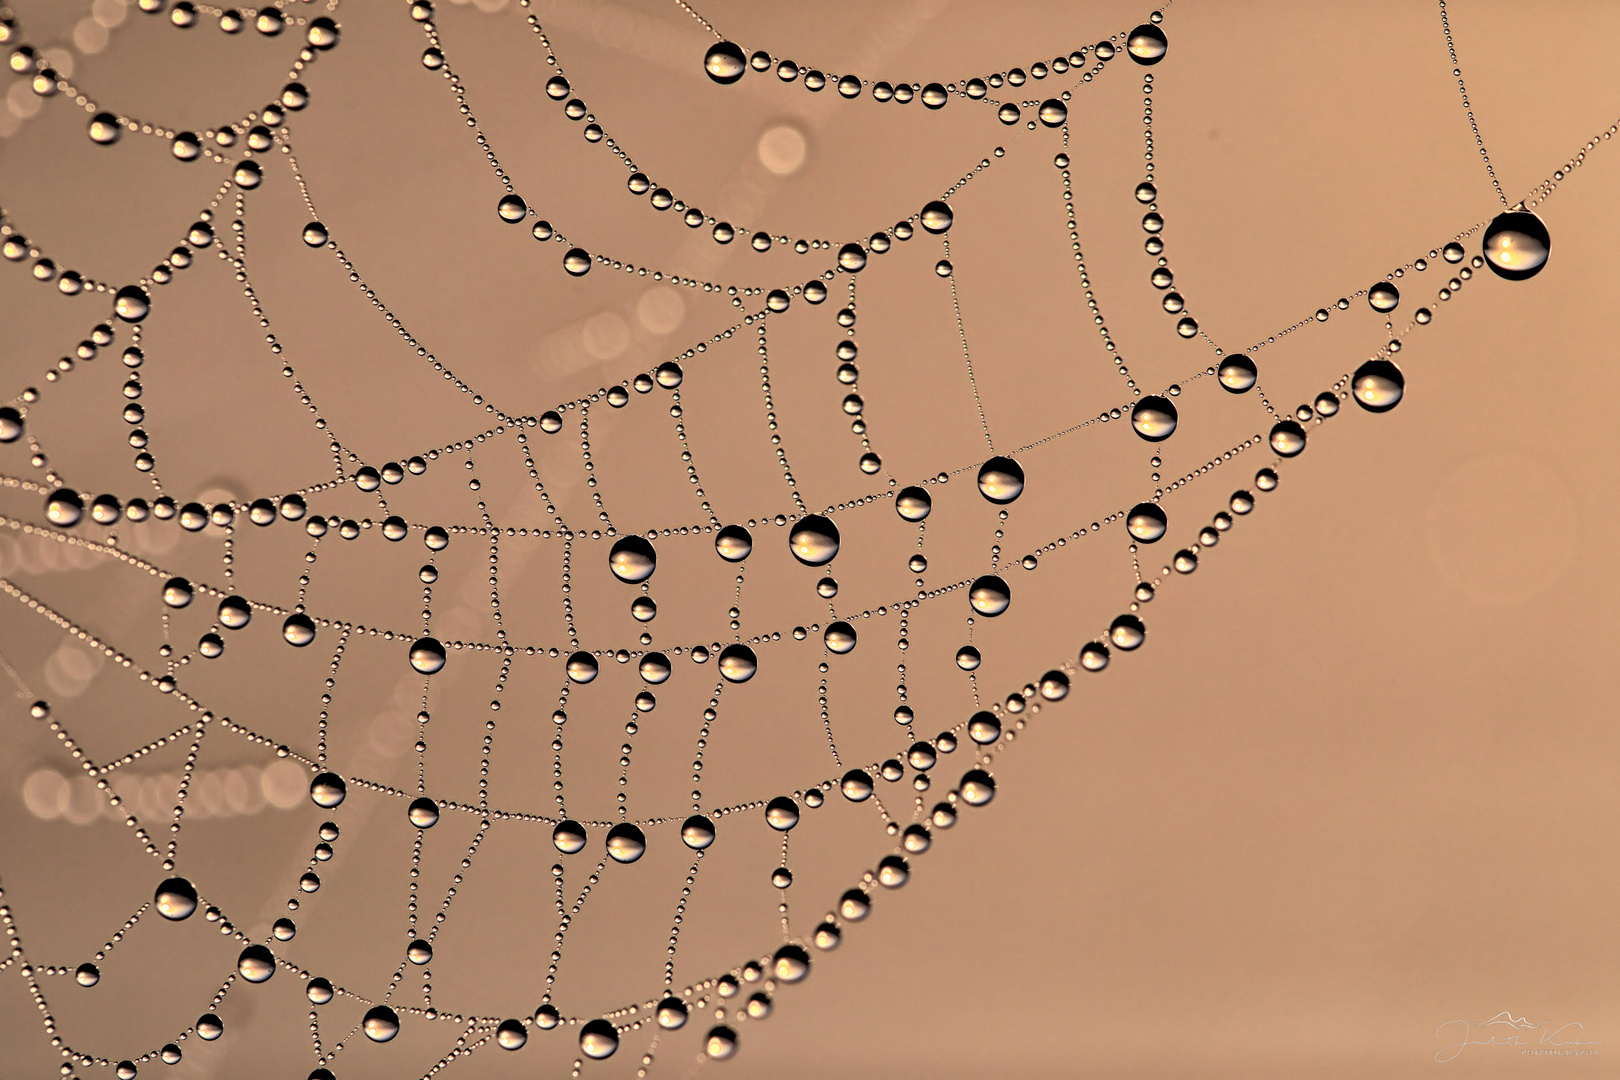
<point x="626" y="843"/>
<point x="1383" y="297"/>
<point x="1127" y="632"/>
<point x="1287" y="438"/>
<point x="423" y="812"/>
<point x="1053" y="113"/>
<point x="581" y="667"/>
<point x="1154" y="418"/>
<point x="1516" y="245"/>
<point x="569" y="837"/>
<point x="380" y="1024"/>
<point x="671" y="1013"/>
<point x="839" y="637"/>
<point x="937" y="217"/>
<point x="1378" y="385"/>
<point x="967" y="658"/>
<point x="328" y="790"/>
<point x="598" y="1039"/>
<point x="256" y="964"/>
<point x="1146" y="45"/>
<point x="175" y="899"/>
<point x="989" y="596"/>
<point x="1094" y="656"/>
<point x="725" y="64"/>
<point x="1001" y="480"/>
<point x="427" y="656"/>
<point x="782" y="813"/>
<point x="1237" y="374"/>
<point x="298" y="630"/>
<point x="814" y="540"/>
<point x="697" y="833"/>
<point x="511" y="1035"/>
<point x="738" y="663"/>
<point x="632" y="560"/>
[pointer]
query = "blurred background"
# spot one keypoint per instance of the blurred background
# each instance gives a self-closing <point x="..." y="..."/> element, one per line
<point x="1359" y="785"/>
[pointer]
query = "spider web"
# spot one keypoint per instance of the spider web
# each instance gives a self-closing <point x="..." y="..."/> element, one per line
<point x="473" y="683"/>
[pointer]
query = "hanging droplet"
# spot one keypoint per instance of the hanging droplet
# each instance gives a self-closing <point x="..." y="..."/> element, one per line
<point x="1001" y="480"/>
<point x="419" y="952"/>
<point x="1127" y="632"/>
<point x="256" y="964"/>
<point x="234" y="613"/>
<point x="105" y="129"/>
<point x="1146" y="522"/>
<point x="210" y="1027"/>
<point x="721" y="1043"/>
<point x="725" y="64"/>
<point x="298" y="630"/>
<point x="782" y="813"/>
<point x="175" y="899"/>
<point x="1154" y="418"/>
<point x="512" y="209"/>
<point x="697" y="833"/>
<point x="427" y="656"/>
<point x="177" y="593"/>
<point x="511" y="1035"/>
<point x="839" y="637"/>
<point x="1384" y="297"/>
<point x="913" y="504"/>
<point x="734" y="543"/>
<point x="978" y="787"/>
<point x="315" y="234"/>
<point x="380" y="1024"/>
<point x="626" y="843"/>
<point x="319" y="991"/>
<point x="11" y="424"/>
<point x="813" y="540"/>
<point x="577" y="262"/>
<point x="738" y="663"/>
<point x="569" y="836"/>
<point x="967" y="658"/>
<point x="328" y="790"/>
<point x="989" y="595"/>
<point x="654" y="668"/>
<point x="1094" y="656"/>
<point x="598" y="1039"/>
<point x="423" y="812"/>
<point x="1146" y="45"/>
<point x="1287" y="438"/>
<point x="1237" y="374"/>
<point x="581" y="667"/>
<point x="937" y="217"/>
<point x="852" y="258"/>
<point x="984" y="728"/>
<point x="671" y="1013"/>
<point x="632" y="560"/>
<point x="1516" y="245"/>
<point x="1378" y="385"/>
<point x="131" y="304"/>
<point x="856" y="785"/>
<point x="1053" y="113"/>
<point x="1054" y="686"/>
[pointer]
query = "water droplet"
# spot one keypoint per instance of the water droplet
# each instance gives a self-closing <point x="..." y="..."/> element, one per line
<point x="323" y="33"/>
<point x="315" y="234"/>
<point x="569" y="837"/>
<point x="626" y="843"/>
<point x="1237" y="374"/>
<point x="1154" y="418"/>
<point x="852" y="258"/>
<point x="984" y="728"/>
<point x="738" y="663"/>
<point x="512" y="209"/>
<point x="1127" y="632"/>
<point x="937" y="217"/>
<point x="11" y="424"/>
<point x="1001" y="480"/>
<point x="1146" y="522"/>
<point x="1008" y="113"/>
<point x="598" y="1039"/>
<point x="893" y="872"/>
<point x="1053" y="113"/>
<point x="790" y="964"/>
<point x="210" y="1027"/>
<point x="632" y="560"/>
<point x="581" y="667"/>
<point x="782" y="813"/>
<point x="1094" y="656"/>
<point x="814" y="540"/>
<point x="725" y="64"/>
<point x="978" y="787"/>
<point x="734" y="543"/>
<point x="256" y="964"/>
<point x="1453" y="252"/>
<point x="721" y="1043"/>
<point x="839" y="637"/>
<point x="577" y="262"/>
<point x="697" y="833"/>
<point x="1516" y="245"/>
<point x="1146" y="45"/>
<point x="64" y="508"/>
<point x="177" y="592"/>
<point x="654" y="667"/>
<point x="186" y="146"/>
<point x="1054" y="686"/>
<point x="967" y="658"/>
<point x="298" y="630"/>
<point x="328" y="790"/>
<point x="319" y="991"/>
<point x="1384" y="297"/>
<point x="380" y="1024"/>
<point x="856" y="785"/>
<point x="87" y="974"/>
<point x="511" y="1035"/>
<point x="913" y="504"/>
<point x="419" y="952"/>
<point x="1287" y="438"/>
<point x="424" y="812"/>
<point x="1378" y="385"/>
<point x="175" y="899"/>
<point x="989" y="595"/>
<point x="427" y="656"/>
<point x="104" y="129"/>
<point x="234" y="613"/>
<point x="671" y="1013"/>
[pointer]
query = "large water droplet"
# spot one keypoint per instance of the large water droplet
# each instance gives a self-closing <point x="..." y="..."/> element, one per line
<point x="234" y="613"/>
<point x="427" y="655"/>
<point x="1378" y="385"/>
<point x="782" y="813"/>
<point x="984" y="728"/>
<point x="1001" y="480"/>
<point x="1384" y="297"/>
<point x="1146" y="45"/>
<point x="1127" y="632"/>
<point x="177" y="593"/>
<point x="298" y="630"/>
<point x="937" y="217"/>
<point x="725" y="64"/>
<point x="1094" y="656"/>
<point x="380" y="1024"/>
<point x="328" y="790"/>
<point x="569" y="837"/>
<point x="913" y="504"/>
<point x="64" y="508"/>
<point x="1053" y="113"/>
<point x="734" y="543"/>
<point x="1516" y="245"/>
<point x="1146" y="522"/>
<point x="511" y="1035"/>
<point x="1154" y="418"/>
<point x="697" y="833"/>
<point x="131" y="303"/>
<point x="632" y="559"/>
<point x="978" y="787"/>
<point x="989" y="595"/>
<point x="626" y="843"/>
<point x="175" y="899"/>
<point x="856" y="785"/>
<point x="654" y="668"/>
<point x="423" y="812"/>
<point x="599" y="1038"/>
<point x="1237" y="374"/>
<point x="256" y="964"/>
<point x="671" y="1013"/>
<point x="814" y="540"/>
<point x="581" y="667"/>
<point x="1287" y="438"/>
<point x="738" y="663"/>
<point x="839" y="637"/>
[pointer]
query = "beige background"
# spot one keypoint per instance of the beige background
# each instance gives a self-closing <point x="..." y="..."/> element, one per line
<point x="1360" y="782"/>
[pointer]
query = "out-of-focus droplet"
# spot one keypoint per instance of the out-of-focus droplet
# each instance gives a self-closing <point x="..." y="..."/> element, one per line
<point x="1516" y="245"/>
<point x="1378" y="385"/>
<point x="937" y="217"/>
